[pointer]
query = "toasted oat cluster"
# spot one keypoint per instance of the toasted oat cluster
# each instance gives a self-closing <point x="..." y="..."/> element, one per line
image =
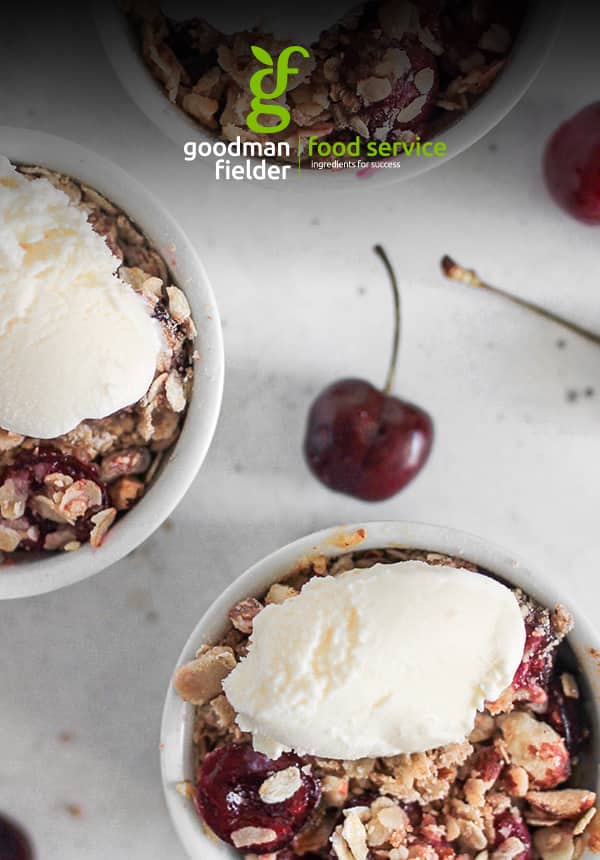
<point x="57" y="494"/>
<point x="510" y="791"/>
<point x="391" y="70"/>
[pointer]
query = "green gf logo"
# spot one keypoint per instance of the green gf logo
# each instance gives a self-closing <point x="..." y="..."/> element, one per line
<point x="260" y="103"/>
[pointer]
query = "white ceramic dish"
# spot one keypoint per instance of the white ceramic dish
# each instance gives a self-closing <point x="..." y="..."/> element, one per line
<point x="532" y="46"/>
<point x="177" y="724"/>
<point x="47" y="574"/>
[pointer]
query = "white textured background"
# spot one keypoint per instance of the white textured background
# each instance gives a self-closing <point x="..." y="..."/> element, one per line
<point x="303" y="302"/>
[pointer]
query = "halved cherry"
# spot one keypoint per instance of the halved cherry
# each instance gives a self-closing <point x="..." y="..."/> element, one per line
<point x="228" y="799"/>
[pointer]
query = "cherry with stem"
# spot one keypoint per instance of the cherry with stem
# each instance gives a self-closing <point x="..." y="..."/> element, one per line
<point x="362" y="440"/>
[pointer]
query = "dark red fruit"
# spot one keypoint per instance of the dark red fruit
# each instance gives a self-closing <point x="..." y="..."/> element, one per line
<point x="566" y="716"/>
<point x="541" y="642"/>
<point x="29" y="469"/>
<point x="288" y="854"/>
<point x="14" y="845"/>
<point x="415" y="814"/>
<point x="228" y="799"/>
<point x="388" y="113"/>
<point x="510" y="824"/>
<point x="572" y="165"/>
<point x="363" y="441"/>
<point x="534" y="670"/>
<point x="43" y="461"/>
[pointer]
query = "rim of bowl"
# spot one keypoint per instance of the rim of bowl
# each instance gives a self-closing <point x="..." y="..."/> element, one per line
<point x="177" y="719"/>
<point x="529" y="53"/>
<point x="185" y="459"/>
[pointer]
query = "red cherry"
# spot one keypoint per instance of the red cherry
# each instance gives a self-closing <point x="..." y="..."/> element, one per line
<point x="228" y="799"/>
<point x="363" y="441"/>
<point x="572" y="165"/>
<point x="510" y="824"/>
<point x="14" y="845"/>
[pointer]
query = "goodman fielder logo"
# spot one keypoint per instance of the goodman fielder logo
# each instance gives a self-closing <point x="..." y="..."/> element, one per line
<point x="263" y="102"/>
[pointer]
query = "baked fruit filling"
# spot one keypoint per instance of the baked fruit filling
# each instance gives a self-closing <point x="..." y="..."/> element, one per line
<point x="56" y="494"/>
<point x="512" y="790"/>
<point x="389" y="71"/>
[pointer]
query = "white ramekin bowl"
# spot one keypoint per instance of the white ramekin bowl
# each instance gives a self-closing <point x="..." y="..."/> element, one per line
<point x="177" y="724"/>
<point x="47" y="574"/>
<point x="529" y="52"/>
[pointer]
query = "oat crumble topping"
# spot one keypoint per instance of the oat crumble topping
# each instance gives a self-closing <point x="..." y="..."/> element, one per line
<point x="57" y="494"/>
<point x="509" y="791"/>
<point x="390" y="70"/>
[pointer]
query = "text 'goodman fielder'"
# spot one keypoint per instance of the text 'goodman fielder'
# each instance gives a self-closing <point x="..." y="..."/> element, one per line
<point x="263" y="106"/>
<point x="263" y="103"/>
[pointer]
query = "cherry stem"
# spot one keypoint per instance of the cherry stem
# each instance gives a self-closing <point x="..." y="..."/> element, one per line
<point x="389" y="382"/>
<point x="454" y="272"/>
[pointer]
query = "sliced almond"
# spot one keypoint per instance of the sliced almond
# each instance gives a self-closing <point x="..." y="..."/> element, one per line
<point x="412" y="110"/>
<point x="279" y="593"/>
<point x="102" y="521"/>
<point x="535" y="746"/>
<point x="247" y="836"/>
<point x="355" y="836"/>
<point x="9" y="539"/>
<point x="280" y="786"/>
<point x="554" y="843"/>
<point x="583" y="822"/>
<point x="424" y="80"/>
<point x="201" y="108"/>
<point x="47" y="509"/>
<point x="200" y="680"/>
<point x="79" y="498"/>
<point x="179" y="307"/>
<point x="340" y="846"/>
<point x="175" y="392"/>
<point x="564" y="804"/>
<point x="13" y="498"/>
<point x="373" y="89"/>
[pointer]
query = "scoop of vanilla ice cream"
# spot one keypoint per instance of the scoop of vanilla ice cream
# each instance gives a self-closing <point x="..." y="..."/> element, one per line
<point x="76" y="342"/>
<point x="393" y="659"/>
<point x="300" y="22"/>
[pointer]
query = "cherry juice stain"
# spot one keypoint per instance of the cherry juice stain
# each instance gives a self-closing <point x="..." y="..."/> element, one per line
<point x="14" y="845"/>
